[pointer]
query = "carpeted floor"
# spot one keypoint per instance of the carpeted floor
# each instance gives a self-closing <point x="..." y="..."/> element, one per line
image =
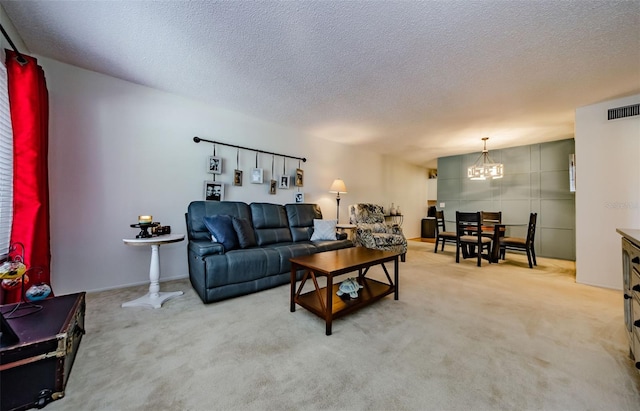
<point x="498" y="337"/>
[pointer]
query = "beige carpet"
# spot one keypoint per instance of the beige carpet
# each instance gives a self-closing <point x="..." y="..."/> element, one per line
<point x="499" y="337"/>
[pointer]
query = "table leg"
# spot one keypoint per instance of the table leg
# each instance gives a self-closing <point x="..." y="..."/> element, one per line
<point x="396" y="267"/>
<point x="495" y="244"/>
<point x="154" y="272"/>
<point x="329" y="307"/>
<point x="293" y="287"/>
<point x="154" y="298"/>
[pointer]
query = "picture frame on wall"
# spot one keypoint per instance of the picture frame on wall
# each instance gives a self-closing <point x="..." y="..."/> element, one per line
<point x="299" y="197"/>
<point x="284" y="182"/>
<point x="257" y="175"/>
<point x="272" y="186"/>
<point x="215" y="165"/>
<point x="299" y="181"/>
<point x="213" y="191"/>
<point x="237" y="177"/>
<point x="572" y="173"/>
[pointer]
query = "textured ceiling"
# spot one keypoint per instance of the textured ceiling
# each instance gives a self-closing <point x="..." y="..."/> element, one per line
<point x="418" y="80"/>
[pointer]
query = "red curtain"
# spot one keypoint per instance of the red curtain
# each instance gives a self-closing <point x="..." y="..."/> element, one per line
<point x="29" y="105"/>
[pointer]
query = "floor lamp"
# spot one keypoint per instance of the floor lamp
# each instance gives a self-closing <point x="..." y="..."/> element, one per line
<point x="338" y="187"/>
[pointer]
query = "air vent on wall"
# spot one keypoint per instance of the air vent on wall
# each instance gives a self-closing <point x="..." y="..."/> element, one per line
<point x="622" y="112"/>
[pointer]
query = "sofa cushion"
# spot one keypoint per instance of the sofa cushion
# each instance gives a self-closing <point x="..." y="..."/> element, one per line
<point x="287" y="251"/>
<point x="301" y="218"/>
<point x="324" y="230"/>
<point x="238" y="266"/>
<point x="222" y="231"/>
<point x="244" y="231"/>
<point x="383" y="239"/>
<point x="332" y="245"/>
<point x="197" y="210"/>
<point x="270" y="223"/>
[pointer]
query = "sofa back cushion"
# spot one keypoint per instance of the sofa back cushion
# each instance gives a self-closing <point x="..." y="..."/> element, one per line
<point x="197" y="210"/>
<point x="366" y="213"/>
<point x="270" y="223"/>
<point x="301" y="218"/>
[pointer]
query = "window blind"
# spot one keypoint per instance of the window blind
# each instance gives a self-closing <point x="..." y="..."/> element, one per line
<point x="6" y="166"/>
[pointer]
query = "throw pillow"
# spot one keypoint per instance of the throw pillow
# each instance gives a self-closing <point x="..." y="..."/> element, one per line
<point x="324" y="230"/>
<point x="244" y="231"/>
<point x="222" y="231"/>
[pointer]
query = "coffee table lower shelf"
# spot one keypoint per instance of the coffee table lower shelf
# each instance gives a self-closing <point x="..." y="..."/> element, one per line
<point x="371" y="292"/>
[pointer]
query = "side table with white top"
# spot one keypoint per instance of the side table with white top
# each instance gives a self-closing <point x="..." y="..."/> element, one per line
<point x="154" y="298"/>
<point x="349" y="228"/>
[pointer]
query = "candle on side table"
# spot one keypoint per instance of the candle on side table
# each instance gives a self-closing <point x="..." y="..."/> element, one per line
<point x="145" y="219"/>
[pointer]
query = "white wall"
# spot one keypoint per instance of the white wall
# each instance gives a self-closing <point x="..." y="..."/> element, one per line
<point x="432" y="189"/>
<point x="607" y="190"/>
<point x="118" y="150"/>
<point x="13" y="34"/>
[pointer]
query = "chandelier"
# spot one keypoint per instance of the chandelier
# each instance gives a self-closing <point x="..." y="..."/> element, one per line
<point x="484" y="166"/>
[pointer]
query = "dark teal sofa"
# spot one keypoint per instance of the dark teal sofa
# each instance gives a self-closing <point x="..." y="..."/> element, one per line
<point x="281" y="232"/>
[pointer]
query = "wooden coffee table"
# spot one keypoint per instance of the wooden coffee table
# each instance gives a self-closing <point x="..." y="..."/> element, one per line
<point x="329" y="264"/>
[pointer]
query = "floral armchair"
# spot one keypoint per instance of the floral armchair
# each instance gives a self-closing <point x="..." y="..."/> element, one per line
<point x="373" y="232"/>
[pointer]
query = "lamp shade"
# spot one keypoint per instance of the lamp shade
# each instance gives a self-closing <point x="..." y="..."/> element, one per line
<point x="485" y="167"/>
<point x="338" y="186"/>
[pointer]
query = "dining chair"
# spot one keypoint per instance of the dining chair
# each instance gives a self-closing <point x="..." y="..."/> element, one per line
<point x="522" y="244"/>
<point x="442" y="235"/>
<point x="469" y="236"/>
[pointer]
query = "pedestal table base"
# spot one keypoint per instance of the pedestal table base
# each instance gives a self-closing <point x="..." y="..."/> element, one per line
<point x="154" y="298"/>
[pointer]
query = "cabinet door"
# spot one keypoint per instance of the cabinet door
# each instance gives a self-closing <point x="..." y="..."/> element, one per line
<point x="636" y="351"/>
<point x="626" y="264"/>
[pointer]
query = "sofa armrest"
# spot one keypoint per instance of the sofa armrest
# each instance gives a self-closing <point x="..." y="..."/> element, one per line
<point x="395" y="229"/>
<point x="203" y="248"/>
<point x="364" y="237"/>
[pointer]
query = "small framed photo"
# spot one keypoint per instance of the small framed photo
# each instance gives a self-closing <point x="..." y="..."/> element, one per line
<point x="256" y="175"/>
<point x="299" y="177"/>
<point x="215" y="165"/>
<point x="299" y="197"/>
<point x="272" y="186"/>
<point x="213" y="191"/>
<point x="572" y="173"/>
<point x="284" y="182"/>
<point x="237" y="177"/>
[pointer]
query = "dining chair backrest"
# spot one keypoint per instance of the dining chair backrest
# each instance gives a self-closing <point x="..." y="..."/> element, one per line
<point x="491" y="217"/>
<point x="442" y="235"/>
<point x="531" y="230"/>
<point x="465" y="220"/>
<point x="523" y="244"/>
<point x="440" y="225"/>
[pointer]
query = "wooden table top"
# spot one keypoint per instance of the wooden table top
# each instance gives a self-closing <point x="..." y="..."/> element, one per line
<point x="344" y="260"/>
<point x="155" y="240"/>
